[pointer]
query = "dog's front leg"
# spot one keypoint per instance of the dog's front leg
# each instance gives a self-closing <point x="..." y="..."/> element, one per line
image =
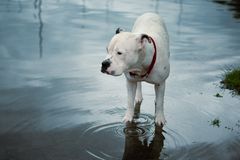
<point x="159" y="115"/>
<point x="138" y="98"/>
<point x="131" y="90"/>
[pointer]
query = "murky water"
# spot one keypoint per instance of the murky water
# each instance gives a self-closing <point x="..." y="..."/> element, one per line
<point x="56" y="104"/>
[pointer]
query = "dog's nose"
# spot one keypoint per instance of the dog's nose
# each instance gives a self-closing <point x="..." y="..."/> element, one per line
<point x="105" y="64"/>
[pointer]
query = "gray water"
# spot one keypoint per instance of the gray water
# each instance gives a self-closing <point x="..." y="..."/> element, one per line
<point x="55" y="104"/>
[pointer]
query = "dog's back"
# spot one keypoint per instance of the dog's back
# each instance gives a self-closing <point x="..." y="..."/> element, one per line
<point x="153" y="25"/>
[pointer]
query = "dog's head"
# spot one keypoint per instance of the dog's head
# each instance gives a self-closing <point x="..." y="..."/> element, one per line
<point x="123" y="52"/>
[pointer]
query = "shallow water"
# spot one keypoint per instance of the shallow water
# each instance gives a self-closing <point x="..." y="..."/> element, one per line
<point x="56" y="104"/>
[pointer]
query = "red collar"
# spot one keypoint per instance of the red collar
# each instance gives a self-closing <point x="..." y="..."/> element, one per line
<point x="152" y="63"/>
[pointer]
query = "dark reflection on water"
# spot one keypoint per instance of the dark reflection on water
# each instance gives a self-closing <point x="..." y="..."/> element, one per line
<point x="57" y="144"/>
<point x="225" y="150"/>
<point x="148" y="147"/>
<point x="38" y="6"/>
<point x="55" y="103"/>
<point x="137" y="140"/>
<point x="234" y="5"/>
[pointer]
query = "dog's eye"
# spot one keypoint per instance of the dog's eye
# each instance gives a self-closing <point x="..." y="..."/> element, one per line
<point x="119" y="53"/>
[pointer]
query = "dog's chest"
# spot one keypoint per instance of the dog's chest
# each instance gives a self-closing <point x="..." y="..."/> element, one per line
<point x="137" y="78"/>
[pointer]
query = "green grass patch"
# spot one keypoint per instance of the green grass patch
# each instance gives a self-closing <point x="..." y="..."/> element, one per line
<point x="218" y="95"/>
<point x="231" y="80"/>
<point x="216" y="122"/>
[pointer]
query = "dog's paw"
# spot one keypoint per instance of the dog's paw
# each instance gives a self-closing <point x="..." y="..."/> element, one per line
<point x="160" y="120"/>
<point x="128" y="117"/>
<point x="138" y="100"/>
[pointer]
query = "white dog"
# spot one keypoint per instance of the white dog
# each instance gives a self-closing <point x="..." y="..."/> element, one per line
<point x="142" y="55"/>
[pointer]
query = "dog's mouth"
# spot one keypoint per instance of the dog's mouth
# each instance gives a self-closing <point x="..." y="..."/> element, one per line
<point x="103" y="70"/>
<point x="107" y="72"/>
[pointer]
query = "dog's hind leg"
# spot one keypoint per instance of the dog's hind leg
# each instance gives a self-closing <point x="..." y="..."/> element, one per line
<point x="159" y="115"/>
<point x="138" y="98"/>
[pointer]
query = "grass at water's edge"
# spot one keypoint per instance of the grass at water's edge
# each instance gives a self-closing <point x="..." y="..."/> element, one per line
<point x="231" y="80"/>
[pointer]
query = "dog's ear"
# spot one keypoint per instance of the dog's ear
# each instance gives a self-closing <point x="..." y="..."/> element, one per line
<point x="118" y="30"/>
<point x="145" y="36"/>
<point x="142" y="39"/>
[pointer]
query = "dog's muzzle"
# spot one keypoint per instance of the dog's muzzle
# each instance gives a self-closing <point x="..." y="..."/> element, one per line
<point x="105" y="64"/>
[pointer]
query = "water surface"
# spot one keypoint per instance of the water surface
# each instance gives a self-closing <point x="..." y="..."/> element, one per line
<point x="56" y="104"/>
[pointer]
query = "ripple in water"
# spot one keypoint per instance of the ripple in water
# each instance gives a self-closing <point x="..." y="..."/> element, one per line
<point x="137" y="140"/>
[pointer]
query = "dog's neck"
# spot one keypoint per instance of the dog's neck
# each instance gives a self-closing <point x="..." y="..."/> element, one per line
<point x="144" y="61"/>
<point x="148" y="55"/>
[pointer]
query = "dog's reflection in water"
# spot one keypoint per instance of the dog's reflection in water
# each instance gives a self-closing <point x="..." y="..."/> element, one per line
<point x="142" y="147"/>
